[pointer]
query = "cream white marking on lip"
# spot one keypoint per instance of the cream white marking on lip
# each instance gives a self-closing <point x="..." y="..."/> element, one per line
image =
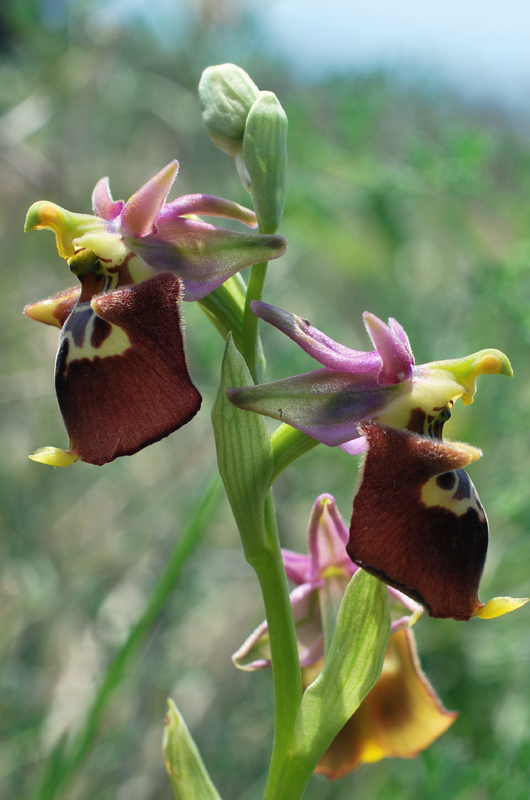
<point x="432" y="494"/>
<point x="115" y="344"/>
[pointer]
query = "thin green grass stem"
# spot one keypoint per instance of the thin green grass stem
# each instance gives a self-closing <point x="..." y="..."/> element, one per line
<point x="65" y="765"/>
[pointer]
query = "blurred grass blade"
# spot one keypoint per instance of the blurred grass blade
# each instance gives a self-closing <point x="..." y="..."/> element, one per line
<point x="64" y="763"/>
<point x="187" y="773"/>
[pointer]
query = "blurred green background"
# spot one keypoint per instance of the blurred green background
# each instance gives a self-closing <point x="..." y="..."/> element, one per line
<point x="401" y="200"/>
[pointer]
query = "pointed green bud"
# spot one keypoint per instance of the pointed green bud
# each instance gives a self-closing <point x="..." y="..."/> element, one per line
<point x="187" y="773"/>
<point x="264" y="160"/>
<point x="226" y="94"/>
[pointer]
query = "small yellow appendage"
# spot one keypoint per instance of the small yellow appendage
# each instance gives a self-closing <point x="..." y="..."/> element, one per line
<point x="498" y="606"/>
<point x="53" y="456"/>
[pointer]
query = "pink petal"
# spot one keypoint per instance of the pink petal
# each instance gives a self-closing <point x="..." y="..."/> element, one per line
<point x="327" y="537"/>
<point x="141" y="210"/>
<point x="102" y="203"/>
<point x="327" y="351"/>
<point x="396" y="356"/>
<point x="207" y="205"/>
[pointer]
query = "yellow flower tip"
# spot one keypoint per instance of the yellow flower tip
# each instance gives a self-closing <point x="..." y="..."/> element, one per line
<point x="493" y="362"/>
<point x="498" y="606"/>
<point x="49" y="216"/>
<point x="53" y="456"/>
<point x="467" y="370"/>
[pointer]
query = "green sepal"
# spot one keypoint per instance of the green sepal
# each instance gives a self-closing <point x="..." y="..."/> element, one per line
<point x="187" y="773"/>
<point x="265" y="159"/>
<point x="226" y="94"/>
<point x="244" y="454"/>
<point x="351" y="667"/>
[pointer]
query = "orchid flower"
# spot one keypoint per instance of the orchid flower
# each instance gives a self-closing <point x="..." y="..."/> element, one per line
<point x="402" y="714"/>
<point x="121" y="376"/>
<point x="417" y="522"/>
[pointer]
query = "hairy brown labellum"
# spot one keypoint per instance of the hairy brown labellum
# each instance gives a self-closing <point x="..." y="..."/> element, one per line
<point x="418" y="523"/>
<point x="121" y="376"/>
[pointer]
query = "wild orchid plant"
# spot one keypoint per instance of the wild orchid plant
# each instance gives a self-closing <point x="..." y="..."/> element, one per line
<point x="348" y="686"/>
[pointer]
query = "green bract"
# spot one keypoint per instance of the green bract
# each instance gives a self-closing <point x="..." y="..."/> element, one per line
<point x="244" y="453"/>
<point x="187" y="773"/>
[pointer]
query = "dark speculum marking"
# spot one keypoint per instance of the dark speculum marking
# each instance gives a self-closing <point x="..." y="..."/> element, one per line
<point x="464" y="488"/>
<point x="78" y="321"/>
<point x="100" y="331"/>
<point x="446" y="481"/>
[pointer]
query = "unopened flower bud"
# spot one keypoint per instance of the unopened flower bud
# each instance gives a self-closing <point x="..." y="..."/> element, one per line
<point x="226" y="95"/>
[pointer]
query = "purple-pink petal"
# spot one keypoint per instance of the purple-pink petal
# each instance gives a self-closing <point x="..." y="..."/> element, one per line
<point x="103" y="203"/>
<point x="412" y="610"/>
<point x="355" y="446"/>
<point x="208" y="205"/>
<point x="327" y="537"/>
<point x="327" y="351"/>
<point x="141" y="210"/>
<point x="202" y="255"/>
<point x="400" y="332"/>
<point x="310" y="639"/>
<point x="326" y="404"/>
<point x="297" y="566"/>
<point x="396" y="357"/>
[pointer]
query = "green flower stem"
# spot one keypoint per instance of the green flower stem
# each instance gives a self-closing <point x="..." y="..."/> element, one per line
<point x="287" y="677"/>
<point x="61" y="772"/>
<point x="224" y="307"/>
<point x="290" y="778"/>
<point x="252" y="351"/>
<point x="288" y="444"/>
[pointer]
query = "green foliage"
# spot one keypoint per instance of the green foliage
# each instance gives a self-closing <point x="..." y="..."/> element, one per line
<point x="187" y="773"/>
<point x="352" y="666"/>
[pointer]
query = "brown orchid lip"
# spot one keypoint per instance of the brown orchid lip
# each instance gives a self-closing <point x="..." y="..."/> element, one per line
<point x="425" y="537"/>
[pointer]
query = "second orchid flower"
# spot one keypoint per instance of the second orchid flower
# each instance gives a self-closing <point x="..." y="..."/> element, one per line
<point x="417" y="521"/>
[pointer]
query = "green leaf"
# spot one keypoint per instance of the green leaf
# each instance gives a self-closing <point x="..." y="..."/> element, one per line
<point x="351" y="668"/>
<point x="187" y="773"/>
<point x="244" y="454"/>
<point x="265" y="159"/>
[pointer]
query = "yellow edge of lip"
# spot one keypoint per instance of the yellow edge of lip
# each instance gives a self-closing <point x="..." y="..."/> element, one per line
<point x="53" y="456"/>
<point x="498" y="606"/>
